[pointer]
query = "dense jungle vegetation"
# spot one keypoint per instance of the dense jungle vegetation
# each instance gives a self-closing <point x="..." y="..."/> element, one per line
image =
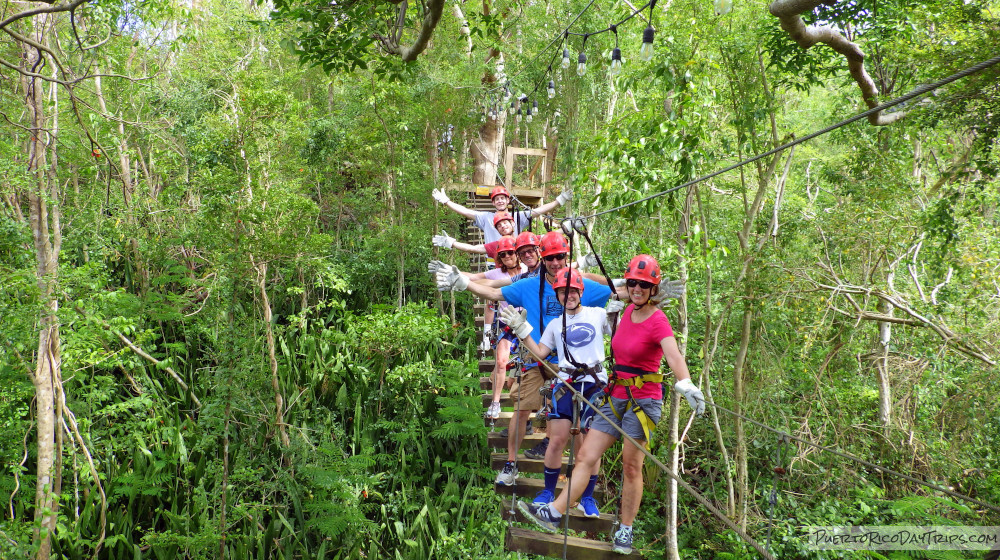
<point x="220" y="339"/>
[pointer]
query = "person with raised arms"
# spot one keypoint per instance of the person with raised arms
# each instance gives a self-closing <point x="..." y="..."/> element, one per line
<point x="500" y="197"/>
<point x="539" y="301"/>
<point x="643" y="338"/>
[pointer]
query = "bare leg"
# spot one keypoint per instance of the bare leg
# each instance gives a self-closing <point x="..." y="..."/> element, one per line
<point x="632" y="489"/>
<point x="558" y="432"/>
<point x="500" y="368"/>
<point x="588" y="461"/>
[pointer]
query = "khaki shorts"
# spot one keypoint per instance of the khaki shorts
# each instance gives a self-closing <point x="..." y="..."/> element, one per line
<point x="527" y="390"/>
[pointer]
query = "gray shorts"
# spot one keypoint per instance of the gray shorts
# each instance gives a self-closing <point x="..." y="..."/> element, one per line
<point x="652" y="407"/>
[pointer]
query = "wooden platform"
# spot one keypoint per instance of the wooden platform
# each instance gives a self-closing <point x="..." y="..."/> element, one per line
<point x="546" y="544"/>
<point x="504" y="420"/>
<point x="528" y="487"/>
<point x="577" y="520"/>
<point x="524" y="464"/>
<point x="496" y="441"/>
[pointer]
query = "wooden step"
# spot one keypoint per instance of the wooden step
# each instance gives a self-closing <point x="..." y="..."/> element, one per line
<point x="496" y="441"/>
<point x="546" y="544"/>
<point x="528" y="487"/>
<point x="485" y="383"/>
<point x="524" y="464"/>
<point x="505" y="417"/>
<point x="486" y="366"/>
<point x="577" y="520"/>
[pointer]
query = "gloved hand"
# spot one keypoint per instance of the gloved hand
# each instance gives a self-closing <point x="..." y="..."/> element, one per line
<point x="693" y="395"/>
<point x="517" y="321"/>
<point x="443" y="240"/>
<point x="669" y="289"/>
<point x="588" y="260"/>
<point x="614" y="306"/>
<point x="564" y="197"/>
<point x="618" y="282"/>
<point x="434" y="266"/>
<point x="440" y="196"/>
<point x="449" y="279"/>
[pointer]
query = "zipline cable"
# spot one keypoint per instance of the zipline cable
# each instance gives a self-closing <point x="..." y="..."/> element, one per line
<point x="857" y="459"/>
<point x="919" y="91"/>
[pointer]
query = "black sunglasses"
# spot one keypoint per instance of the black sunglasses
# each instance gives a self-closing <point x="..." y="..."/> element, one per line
<point x="503" y="254"/>
<point x="559" y="257"/>
<point x="525" y="252"/>
<point x="631" y="283"/>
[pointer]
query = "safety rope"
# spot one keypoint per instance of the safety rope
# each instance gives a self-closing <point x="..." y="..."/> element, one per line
<point x="858" y="459"/>
<point x="687" y="487"/>
<point x="917" y="92"/>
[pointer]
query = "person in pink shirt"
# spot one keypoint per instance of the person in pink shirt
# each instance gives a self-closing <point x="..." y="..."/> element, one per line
<point x="643" y="338"/>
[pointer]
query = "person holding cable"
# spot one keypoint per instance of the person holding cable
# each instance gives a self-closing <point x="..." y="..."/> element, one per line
<point x="635" y="403"/>
<point x="500" y="197"/>
<point x="577" y="337"/>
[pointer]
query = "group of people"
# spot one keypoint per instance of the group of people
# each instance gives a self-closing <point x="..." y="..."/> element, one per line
<point x="551" y="307"/>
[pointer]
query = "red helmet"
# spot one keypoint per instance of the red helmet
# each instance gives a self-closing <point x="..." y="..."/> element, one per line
<point x="526" y="239"/>
<point x="643" y="268"/>
<point x="506" y="243"/>
<point x="568" y="277"/>
<point x="501" y="216"/>
<point x="553" y="243"/>
<point x="497" y="191"/>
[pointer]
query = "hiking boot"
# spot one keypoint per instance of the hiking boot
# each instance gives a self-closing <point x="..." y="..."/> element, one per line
<point x="588" y="506"/>
<point x="538" y="451"/>
<point x="623" y="541"/>
<point x="507" y="475"/>
<point x="542" y="516"/>
<point x="543" y="497"/>
<point x="493" y="411"/>
<point x="528" y="431"/>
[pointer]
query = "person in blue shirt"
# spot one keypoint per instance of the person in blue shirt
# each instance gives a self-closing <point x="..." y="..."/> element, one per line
<point x="537" y="297"/>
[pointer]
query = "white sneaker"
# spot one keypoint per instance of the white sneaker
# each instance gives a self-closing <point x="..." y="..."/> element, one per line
<point x="508" y="475"/>
<point x="493" y="411"/>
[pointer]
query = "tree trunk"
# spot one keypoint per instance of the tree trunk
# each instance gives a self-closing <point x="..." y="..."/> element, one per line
<point x="279" y="401"/>
<point x="44" y="218"/>
<point x="882" y="367"/>
<point x="742" y="482"/>
<point x="681" y="333"/>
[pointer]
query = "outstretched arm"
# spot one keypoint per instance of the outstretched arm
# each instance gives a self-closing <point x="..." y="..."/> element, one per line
<point x="442" y="198"/>
<point x="518" y="323"/>
<point x="481" y="248"/>
<point x="563" y="198"/>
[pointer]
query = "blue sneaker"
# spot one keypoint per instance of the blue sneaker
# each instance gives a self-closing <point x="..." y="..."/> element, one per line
<point x="543" y="497"/>
<point x="588" y="506"/>
<point x="541" y="514"/>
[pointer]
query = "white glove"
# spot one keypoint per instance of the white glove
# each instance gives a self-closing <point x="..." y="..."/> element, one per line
<point x="669" y="289"/>
<point x="517" y="321"/>
<point x="585" y="261"/>
<point x="434" y="266"/>
<point x="618" y="282"/>
<point x="614" y="306"/>
<point x="693" y="395"/>
<point x="564" y="197"/>
<point x="440" y="196"/>
<point x="443" y="240"/>
<point x="449" y="279"/>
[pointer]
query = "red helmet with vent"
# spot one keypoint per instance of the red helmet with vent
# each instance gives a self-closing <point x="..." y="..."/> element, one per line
<point x="568" y="277"/>
<point x="553" y="243"/>
<point x="643" y="268"/>
<point x="506" y="243"/>
<point x="526" y="239"/>
<point x="501" y="216"/>
<point x="497" y="191"/>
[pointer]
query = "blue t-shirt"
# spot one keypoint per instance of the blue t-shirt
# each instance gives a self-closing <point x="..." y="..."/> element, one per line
<point x="524" y="294"/>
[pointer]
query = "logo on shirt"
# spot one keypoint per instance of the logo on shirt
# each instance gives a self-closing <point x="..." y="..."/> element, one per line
<point x="578" y="336"/>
